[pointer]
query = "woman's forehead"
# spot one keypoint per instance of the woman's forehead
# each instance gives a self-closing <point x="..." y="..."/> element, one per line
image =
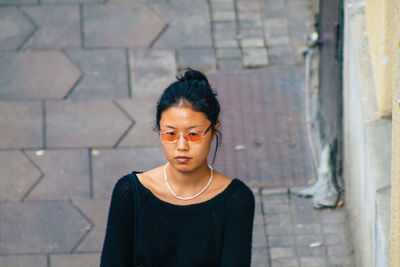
<point x="183" y="116"/>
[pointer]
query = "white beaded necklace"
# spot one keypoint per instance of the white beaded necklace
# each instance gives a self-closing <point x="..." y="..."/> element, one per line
<point x="186" y="198"/>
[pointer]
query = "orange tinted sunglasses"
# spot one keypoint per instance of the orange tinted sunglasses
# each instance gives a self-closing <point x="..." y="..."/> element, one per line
<point x="191" y="137"/>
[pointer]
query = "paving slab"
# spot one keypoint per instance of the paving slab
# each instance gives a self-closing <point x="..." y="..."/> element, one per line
<point x="307" y="251"/>
<point x="284" y="252"/>
<point x="143" y="113"/>
<point x="152" y="70"/>
<point x="17" y="2"/>
<point x="14" y="28"/>
<point x="36" y="75"/>
<point x="21" y="124"/>
<point x="23" y="261"/>
<point x="17" y="175"/>
<point x="65" y="174"/>
<point x="253" y="32"/>
<point x="75" y="260"/>
<point x="102" y="25"/>
<point x="97" y="212"/>
<point x="259" y="239"/>
<point x="282" y="55"/>
<point x="234" y="64"/>
<point x="105" y="74"/>
<point x="58" y="27"/>
<point x="259" y="257"/>
<point x="71" y="1"/>
<point x="228" y="53"/>
<point x="110" y="165"/>
<point x="313" y="261"/>
<point x="84" y="124"/>
<point x="255" y="57"/>
<point x="224" y="15"/>
<point x="197" y="58"/>
<point x="267" y="90"/>
<point x="287" y="240"/>
<point x="287" y="262"/>
<point x="188" y="24"/>
<point x="42" y="227"/>
<point x="225" y="34"/>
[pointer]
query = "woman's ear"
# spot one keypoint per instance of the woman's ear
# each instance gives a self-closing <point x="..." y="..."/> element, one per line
<point x="216" y="129"/>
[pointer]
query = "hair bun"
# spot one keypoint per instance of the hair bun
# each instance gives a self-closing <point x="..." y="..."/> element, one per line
<point x="193" y="75"/>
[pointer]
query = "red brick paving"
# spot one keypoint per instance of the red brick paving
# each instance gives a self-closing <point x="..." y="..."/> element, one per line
<point x="263" y="110"/>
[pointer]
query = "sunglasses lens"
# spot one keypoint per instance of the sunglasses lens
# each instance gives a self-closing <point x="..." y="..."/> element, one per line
<point x="169" y="136"/>
<point x="193" y="137"/>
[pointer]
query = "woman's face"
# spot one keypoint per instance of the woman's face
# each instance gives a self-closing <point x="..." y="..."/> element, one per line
<point x="182" y="120"/>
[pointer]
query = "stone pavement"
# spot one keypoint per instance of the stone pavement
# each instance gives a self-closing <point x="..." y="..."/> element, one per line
<point x="78" y="85"/>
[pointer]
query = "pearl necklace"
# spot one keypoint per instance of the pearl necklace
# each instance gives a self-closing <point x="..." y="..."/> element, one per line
<point x="186" y="198"/>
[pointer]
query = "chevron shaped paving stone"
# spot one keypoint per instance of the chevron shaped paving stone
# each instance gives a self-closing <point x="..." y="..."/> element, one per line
<point x="97" y="211"/>
<point x="75" y="260"/>
<point x="58" y="27"/>
<point x="120" y="25"/>
<point x="21" y="124"/>
<point x="17" y="175"/>
<point x="188" y="24"/>
<point x="105" y="74"/>
<point x="152" y="70"/>
<point x="40" y="227"/>
<point x="36" y="75"/>
<point x="14" y="28"/>
<point x="143" y="113"/>
<point x="84" y="124"/>
<point x="17" y="2"/>
<point x="112" y="164"/>
<point x="66" y="174"/>
<point x="23" y="260"/>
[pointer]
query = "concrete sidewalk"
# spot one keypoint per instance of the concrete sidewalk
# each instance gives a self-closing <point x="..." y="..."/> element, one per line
<point x="78" y="84"/>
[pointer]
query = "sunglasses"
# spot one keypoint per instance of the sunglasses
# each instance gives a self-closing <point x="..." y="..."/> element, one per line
<point x="191" y="137"/>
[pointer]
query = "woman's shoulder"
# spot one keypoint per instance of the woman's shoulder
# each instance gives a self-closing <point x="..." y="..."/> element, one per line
<point x="240" y="192"/>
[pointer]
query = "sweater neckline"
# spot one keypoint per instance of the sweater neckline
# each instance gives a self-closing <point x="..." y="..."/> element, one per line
<point x="196" y="206"/>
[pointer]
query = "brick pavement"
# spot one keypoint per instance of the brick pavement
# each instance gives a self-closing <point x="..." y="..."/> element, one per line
<point x="78" y="85"/>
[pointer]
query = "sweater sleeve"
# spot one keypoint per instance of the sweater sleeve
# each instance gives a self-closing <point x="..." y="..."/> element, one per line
<point x="238" y="232"/>
<point x="118" y="243"/>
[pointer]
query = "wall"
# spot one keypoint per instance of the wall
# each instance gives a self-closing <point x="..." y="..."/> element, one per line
<point x="367" y="146"/>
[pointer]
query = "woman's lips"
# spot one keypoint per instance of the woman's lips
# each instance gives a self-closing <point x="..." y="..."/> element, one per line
<point x="182" y="159"/>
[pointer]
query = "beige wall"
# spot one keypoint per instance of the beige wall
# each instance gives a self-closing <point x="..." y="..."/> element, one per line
<point x="394" y="25"/>
<point x="383" y="29"/>
<point x="378" y="19"/>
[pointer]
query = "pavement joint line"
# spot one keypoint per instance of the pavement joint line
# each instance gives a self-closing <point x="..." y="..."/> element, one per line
<point x="92" y="225"/>
<point x="82" y="75"/>
<point x="158" y="36"/>
<point x="296" y="244"/>
<point x="128" y="67"/>
<point x="130" y="126"/>
<point x="212" y="33"/>
<point x="44" y="124"/>
<point x="41" y="177"/>
<point x="91" y="173"/>
<point x="260" y="195"/>
<point x="29" y="36"/>
<point x="81" y="24"/>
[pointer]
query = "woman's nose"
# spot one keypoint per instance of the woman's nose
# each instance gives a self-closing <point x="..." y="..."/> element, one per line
<point x="182" y="143"/>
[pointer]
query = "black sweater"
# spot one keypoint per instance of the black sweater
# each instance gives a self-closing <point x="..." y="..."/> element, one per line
<point x="216" y="232"/>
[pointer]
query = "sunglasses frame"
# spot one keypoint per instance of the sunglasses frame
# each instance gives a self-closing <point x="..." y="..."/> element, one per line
<point x="184" y="136"/>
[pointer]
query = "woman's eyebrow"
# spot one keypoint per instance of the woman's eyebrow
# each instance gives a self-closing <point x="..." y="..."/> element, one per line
<point x="191" y="127"/>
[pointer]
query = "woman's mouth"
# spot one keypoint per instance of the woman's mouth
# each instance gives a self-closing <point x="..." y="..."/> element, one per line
<point x="182" y="159"/>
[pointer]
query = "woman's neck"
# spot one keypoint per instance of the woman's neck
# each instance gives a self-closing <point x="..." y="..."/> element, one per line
<point x="187" y="183"/>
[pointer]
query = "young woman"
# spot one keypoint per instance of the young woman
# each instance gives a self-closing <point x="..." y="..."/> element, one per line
<point x="183" y="213"/>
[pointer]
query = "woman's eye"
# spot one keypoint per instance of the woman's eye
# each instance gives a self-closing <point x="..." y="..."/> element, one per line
<point x="193" y="134"/>
<point x="170" y="133"/>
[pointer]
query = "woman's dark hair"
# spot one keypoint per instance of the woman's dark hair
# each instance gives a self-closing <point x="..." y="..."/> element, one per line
<point x="193" y="89"/>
